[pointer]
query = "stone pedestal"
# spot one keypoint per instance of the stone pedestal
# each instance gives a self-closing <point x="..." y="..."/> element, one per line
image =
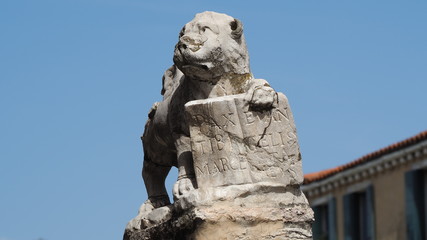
<point x="250" y="211"/>
<point x="248" y="170"/>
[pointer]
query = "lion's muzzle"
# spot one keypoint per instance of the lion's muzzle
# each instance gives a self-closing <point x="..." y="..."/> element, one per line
<point x="192" y="42"/>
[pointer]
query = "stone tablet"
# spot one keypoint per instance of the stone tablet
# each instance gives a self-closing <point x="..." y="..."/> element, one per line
<point x="232" y="144"/>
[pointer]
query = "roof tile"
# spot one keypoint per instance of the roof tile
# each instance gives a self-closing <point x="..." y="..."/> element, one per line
<point x="317" y="176"/>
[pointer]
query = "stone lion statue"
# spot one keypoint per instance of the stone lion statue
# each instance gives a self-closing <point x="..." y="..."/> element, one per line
<point x="210" y="60"/>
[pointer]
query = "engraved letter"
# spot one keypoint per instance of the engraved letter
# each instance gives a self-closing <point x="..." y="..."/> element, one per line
<point x="228" y="120"/>
<point x="198" y="169"/>
<point x="224" y="163"/>
<point x="278" y="115"/>
<point x="220" y="144"/>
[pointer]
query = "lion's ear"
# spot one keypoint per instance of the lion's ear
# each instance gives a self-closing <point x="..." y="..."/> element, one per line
<point x="236" y="29"/>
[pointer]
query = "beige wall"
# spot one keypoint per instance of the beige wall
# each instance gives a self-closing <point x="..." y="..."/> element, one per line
<point x="389" y="195"/>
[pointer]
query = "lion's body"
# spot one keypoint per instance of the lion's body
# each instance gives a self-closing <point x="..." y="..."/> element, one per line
<point x="211" y="60"/>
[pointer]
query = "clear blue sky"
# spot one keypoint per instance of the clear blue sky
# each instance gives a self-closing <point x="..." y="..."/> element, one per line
<point x="78" y="77"/>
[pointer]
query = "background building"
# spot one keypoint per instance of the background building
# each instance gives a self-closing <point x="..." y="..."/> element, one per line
<point x="379" y="196"/>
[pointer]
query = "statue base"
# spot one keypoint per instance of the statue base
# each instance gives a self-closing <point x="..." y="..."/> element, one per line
<point x="257" y="211"/>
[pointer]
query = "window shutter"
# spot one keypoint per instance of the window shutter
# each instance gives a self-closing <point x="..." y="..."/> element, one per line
<point x="332" y="219"/>
<point x="370" y="218"/>
<point x="350" y="217"/>
<point x="415" y="210"/>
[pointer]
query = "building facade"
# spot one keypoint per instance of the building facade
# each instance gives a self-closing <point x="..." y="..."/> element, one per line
<point x="382" y="195"/>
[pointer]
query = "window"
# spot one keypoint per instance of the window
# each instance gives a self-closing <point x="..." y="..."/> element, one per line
<point x="324" y="226"/>
<point x="359" y="221"/>
<point x="416" y="201"/>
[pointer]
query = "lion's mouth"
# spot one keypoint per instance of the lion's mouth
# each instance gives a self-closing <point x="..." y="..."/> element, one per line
<point x="201" y="66"/>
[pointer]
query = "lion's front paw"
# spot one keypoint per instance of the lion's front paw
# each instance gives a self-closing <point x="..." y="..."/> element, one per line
<point x="183" y="185"/>
<point x="262" y="98"/>
<point x="159" y="201"/>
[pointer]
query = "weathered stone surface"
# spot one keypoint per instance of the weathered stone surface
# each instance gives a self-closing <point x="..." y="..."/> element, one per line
<point x="235" y="145"/>
<point x="223" y="222"/>
<point x="249" y="211"/>
<point x="233" y="139"/>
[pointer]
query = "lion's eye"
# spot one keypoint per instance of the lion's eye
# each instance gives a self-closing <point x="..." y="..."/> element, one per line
<point x="205" y="27"/>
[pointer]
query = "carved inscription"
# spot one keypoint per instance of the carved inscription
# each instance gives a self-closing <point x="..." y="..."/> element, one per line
<point x="220" y="165"/>
<point x="234" y="145"/>
<point x="277" y="115"/>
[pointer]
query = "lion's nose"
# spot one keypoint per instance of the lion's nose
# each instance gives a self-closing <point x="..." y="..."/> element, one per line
<point x="194" y="43"/>
<point x="184" y="42"/>
<point x="182" y="45"/>
<point x="186" y="39"/>
<point x="192" y="40"/>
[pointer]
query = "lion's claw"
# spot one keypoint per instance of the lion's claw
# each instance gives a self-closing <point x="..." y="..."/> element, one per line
<point x="262" y="98"/>
<point x="183" y="186"/>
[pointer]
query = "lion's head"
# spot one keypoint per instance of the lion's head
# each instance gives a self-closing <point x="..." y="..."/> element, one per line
<point x="210" y="46"/>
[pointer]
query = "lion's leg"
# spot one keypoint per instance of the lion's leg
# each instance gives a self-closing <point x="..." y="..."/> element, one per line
<point x="154" y="177"/>
<point x="186" y="177"/>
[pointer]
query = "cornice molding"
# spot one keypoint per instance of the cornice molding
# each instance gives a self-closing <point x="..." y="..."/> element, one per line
<point x="417" y="152"/>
